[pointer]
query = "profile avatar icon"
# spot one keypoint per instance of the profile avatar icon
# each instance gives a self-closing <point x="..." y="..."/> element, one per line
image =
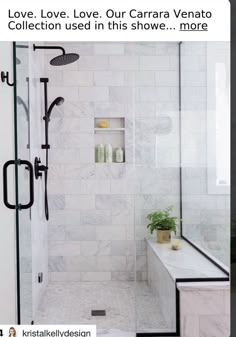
<point x="12" y="332"/>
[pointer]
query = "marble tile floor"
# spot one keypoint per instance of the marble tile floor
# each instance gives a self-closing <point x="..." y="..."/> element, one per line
<point x="72" y="302"/>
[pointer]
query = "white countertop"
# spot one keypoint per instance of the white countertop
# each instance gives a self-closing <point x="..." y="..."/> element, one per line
<point x="186" y="262"/>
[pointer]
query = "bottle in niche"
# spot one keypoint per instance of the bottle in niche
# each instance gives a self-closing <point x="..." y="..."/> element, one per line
<point x="119" y="155"/>
<point x="108" y="153"/>
<point x="100" y="153"/>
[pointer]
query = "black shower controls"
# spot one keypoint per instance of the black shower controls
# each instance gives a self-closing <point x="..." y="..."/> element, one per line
<point x="39" y="169"/>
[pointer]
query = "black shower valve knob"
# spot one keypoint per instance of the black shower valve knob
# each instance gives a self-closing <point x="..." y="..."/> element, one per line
<point x="39" y="169"/>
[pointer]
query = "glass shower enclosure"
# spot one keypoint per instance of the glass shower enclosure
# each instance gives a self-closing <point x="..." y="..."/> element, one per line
<point x="163" y="103"/>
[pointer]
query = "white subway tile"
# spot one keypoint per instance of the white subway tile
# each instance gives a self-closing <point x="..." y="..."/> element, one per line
<point x="108" y="78"/>
<point x="123" y="62"/>
<point x="96" y="94"/>
<point x="109" y="48"/>
<point x="93" y="63"/>
<point x="155" y="63"/>
<point x="95" y="276"/>
<point x="121" y="94"/>
<point x="77" y="78"/>
<point x="140" y="48"/>
<point x="167" y="78"/>
<point x="64" y="276"/>
<point x="79" y="201"/>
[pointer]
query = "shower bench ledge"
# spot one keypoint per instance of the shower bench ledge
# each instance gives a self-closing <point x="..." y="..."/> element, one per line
<point x="202" y="289"/>
<point x="186" y="263"/>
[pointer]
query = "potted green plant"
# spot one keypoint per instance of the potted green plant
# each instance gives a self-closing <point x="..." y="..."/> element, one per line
<point x="163" y="223"/>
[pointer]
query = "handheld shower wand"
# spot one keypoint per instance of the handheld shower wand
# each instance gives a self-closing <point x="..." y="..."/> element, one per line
<point x="46" y="146"/>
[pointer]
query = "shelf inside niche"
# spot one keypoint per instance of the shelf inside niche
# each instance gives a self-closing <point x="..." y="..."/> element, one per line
<point x="115" y="123"/>
<point x="108" y="129"/>
<point x="114" y="134"/>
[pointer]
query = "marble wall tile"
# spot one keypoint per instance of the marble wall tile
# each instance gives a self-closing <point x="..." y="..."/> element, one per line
<point x="141" y="247"/>
<point x="145" y="110"/>
<point x="167" y="48"/>
<point x="122" y="276"/>
<point x="206" y="302"/>
<point x="94" y="62"/>
<point x="155" y="63"/>
<point x="110" y="109"/>
<point x="96" y="217"/>
<point x="71" y="140"/>
<point x="122" y="217"/>
<point x="167" y="78"/>
<point x="65" y="276"/>
<point x="98" y="214"/>
<point x="60" y="156"/>
<point x="120" y="94"/>
<point x="64" y="218"/>
<point x="130" y="263"/>
<point x="141" y="263"/>
<point x="193" y="63"/>
<point x="56" y="264"/>
<point x="109" y="48"/>
<point x="64" y="248"/>
<point x="95" y="187"/>
<point x="87" y="155"/>
<point x="122" y="248"/>
<point x="56" y="201"/>
<point x="163" y="287"/>
<point x="95" y="94"/>
<point x="69" y="93"/>
<point x="96" y="276"/>
<point x="214" y="325"/>
<point x="82" y="171"/>
<point x="109" y="78"/>
<point x="154" y="94"/>
<point x="190" y="326"/>
<point x="80" y="263"/>
<point x="123" y="62"/>
<point x="110" y="233"/>
<point x="77" y="78"/>
<point x="84" y="202"/>
<point x="77" y="109"/>
<point x="113" y="202"/>
<point x="56" y="233"/>
<point x="80" y="233"/>
<point x="140" y="48"/>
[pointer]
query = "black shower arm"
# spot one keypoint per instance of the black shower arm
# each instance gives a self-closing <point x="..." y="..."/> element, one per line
<point x="49" y="47"/>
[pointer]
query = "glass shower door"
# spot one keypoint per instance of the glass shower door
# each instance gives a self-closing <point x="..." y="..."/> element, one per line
<point x="22" y="151"/>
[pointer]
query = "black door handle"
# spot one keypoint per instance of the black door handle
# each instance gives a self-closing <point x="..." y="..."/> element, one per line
<point x="31" y="184"/>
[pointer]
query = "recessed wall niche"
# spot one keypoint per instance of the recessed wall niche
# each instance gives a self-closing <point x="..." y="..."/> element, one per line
<point x="109" y="131"/>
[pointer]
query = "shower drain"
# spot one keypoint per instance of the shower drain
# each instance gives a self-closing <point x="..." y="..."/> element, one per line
<point x="98" y="312"/>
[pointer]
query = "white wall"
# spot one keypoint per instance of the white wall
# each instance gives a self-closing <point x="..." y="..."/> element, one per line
<point x="7" y="217"/>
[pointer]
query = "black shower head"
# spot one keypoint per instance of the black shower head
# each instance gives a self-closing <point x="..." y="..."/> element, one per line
<point x="64" y="59"/>
<point x="57" y="101"/>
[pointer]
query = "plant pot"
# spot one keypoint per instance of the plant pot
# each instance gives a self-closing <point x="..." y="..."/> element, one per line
<point x="163" y="236"/>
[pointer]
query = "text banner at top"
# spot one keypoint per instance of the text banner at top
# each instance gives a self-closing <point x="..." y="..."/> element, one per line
<point x="132" y="20"/>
